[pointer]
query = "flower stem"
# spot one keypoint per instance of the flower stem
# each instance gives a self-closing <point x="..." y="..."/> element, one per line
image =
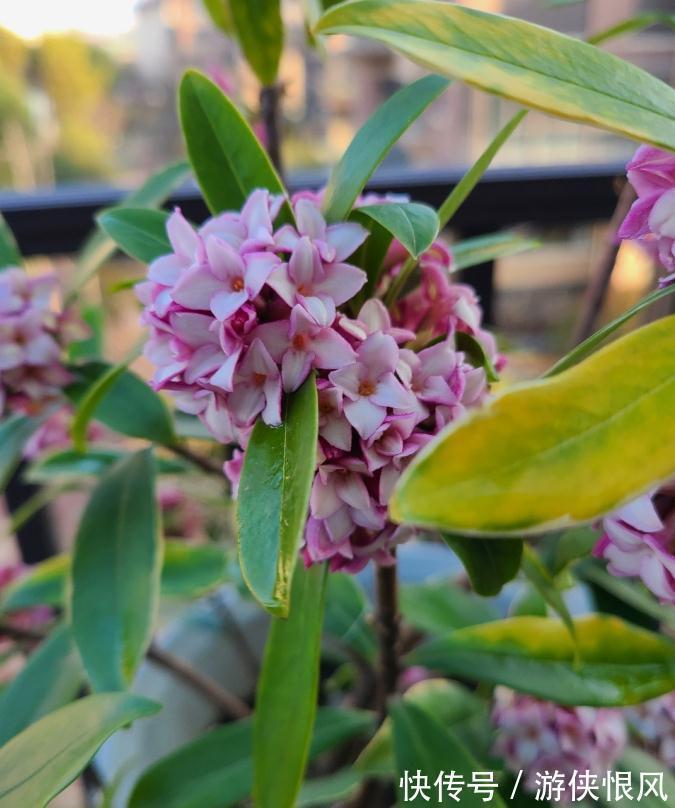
<point x="388" y="635"/>
<point x="202" y="462"/>
<point x="270" y="111"/>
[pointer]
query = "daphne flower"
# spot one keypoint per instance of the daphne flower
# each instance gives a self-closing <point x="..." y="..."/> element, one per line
<point x="654" y="724"/>
<point x="370" y="385"/>
<point x="333" y="426"/>
<point x="373" y="318"/>
<point x="19" y="292"/>
<point x="317" y="286"/>
<point x="388" y="442"/>
<point x="257" y="387"/>
<point x="640" y="543"/>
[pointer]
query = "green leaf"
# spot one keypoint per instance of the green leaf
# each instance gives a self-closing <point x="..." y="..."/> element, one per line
<point x="335" y="788"/>
<point x="373" y="141"/>
<point x="219" y="11"/>
<point x="414" y="225"/>
<point x="423" y="744"/>
<point x="99" y="247"/>
<point x="482" y="249"/>
<point x="227" y="159"/>
<point x="90" y="402"/>
<point x="129" y="406"/>
<point x="14" y="433"/>
<point x="370" y="256"/>
<point x="39" y="763"/>
<point x="616" y="663"/>
<point x="535" y="66"/>
<point x="346" y="614"/>
<point x="476" y="354"/>
<point x="139" y="232"/>
<point x="559" y="550"/>
<point x="116" y="573"/>
<point x="9" y="252"/>
<point x="43" y="585"/>
<point x="68" y="465"/>
<point x="632" y="25"/>
<point x="465" y="186"/>
<point x="438" y="606"/>
<point x="544" y="454"/>
<point x="630" y="592"/>
<point x="190" y="570"/>
<point x="449" y="702"/>
<point x="537" y="574"/>
<point x="274" y="495"/>
<point x="638" y="762"/>
<point x="91" y="347"/>
<point x="260" y="31"/>
<point x="287" y="693"/>
<point x="489" y="563"/>
<point x="588" y="346"/>
<point x="51" y="678"/>
<point x="216" y="770"/>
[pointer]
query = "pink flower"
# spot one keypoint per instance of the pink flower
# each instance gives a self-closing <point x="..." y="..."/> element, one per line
<point x="257" y="388"/>
<point x="654" y="724"/>
<point x="374" y="318"/>
<point x="535" y="736"/>
<point x="651" y="219"/>
<point x="638" y="542"/>
<point x="371" y="386"/>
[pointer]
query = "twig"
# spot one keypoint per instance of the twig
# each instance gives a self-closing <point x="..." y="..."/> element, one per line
<point x="387" y="630"/>
<point x="270" y="112"/>
<point x="20" y="634"/>
<point x="601" y="273"/>
<point x="229" y="703"/>
<point x="204" y="463"/>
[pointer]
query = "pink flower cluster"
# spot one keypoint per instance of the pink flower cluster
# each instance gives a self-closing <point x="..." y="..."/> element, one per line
<point x="654" y="725"/>
<point x="32" y="340"/>
<point x="651" y="219"/>
<point x="242" y="311"/>
<point x="27" y="618"/>
<point x="536" y="736"/>
<point x="639" y="542"/>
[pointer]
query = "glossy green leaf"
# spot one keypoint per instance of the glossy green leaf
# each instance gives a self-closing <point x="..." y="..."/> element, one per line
<point x="639" y="763"/>
<point x="44" y="584"/>
<point x="370" y="256"/>
<point x="91" y="401"/>
<point x="41" y="761"/>
<point x="68" y="465"/>
<point x="14" y="433"/>
<point x="227" y="159"/>
<point x="544" y="454"/>
<point x="535" y="66"/>
<point x="441" y="605"/>
<point x="559" y="550"/>
<point x="482" y="249"/>
<point x="346" y="614"/>
<point x="99" y="247"/>
<point x="91" y="347"/>
<point x="216" y="770"/>
<point x="537" y="574"/>
<point x="589" y="345"/>
<point x="449" y="702"/>
<point x="287" y="694"/>
<point x="414" y="225"/>
<point x="139" y="232"/>
<point x="616" y="663"/>
<point x="190" y="570"/>
<point x="130" y="406"/>
<point x="274" y="496"/>
<point x="260" y="31"/>
<point x="51" y="678"/>
<point x="219" y="11"/>
<point x="475" y="352"/>
<point x="116" y="573"/>
<point x="465" y="186"/>
<point x="373" y="141"/>
<point x="489" y="563"/>
<point x="9" y="252"/>
<point x="631" y="592"/>
<point x="423" y="744"/>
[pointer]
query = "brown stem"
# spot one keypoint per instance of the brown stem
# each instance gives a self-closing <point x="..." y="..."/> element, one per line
<point x="229" y="703"/>
<point x="19" y="634"/>
<point x="270" y="112"/>
<point x="601" y="273"/>
<point x="207" y="465"/>
<point x="388" y="636"/>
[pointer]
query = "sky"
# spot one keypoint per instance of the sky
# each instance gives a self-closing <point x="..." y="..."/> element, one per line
<point x="31" y="18"/>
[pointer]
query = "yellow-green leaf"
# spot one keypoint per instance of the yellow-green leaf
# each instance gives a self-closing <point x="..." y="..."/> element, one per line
<point x="611" y="663"/>
<point x="553" y="452"/>
<point x="260" y="31"/>
<point x="535" y="66"/>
